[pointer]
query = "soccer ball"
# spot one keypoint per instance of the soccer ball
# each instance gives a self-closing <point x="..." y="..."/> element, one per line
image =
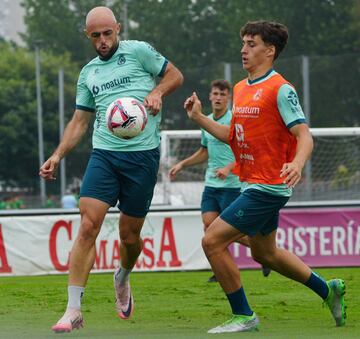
<point x="126" y="117"/>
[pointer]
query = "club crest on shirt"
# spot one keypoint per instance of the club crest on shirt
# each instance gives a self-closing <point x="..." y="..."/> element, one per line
<point x="121" y="59"/>
<point x="258" y="94"/>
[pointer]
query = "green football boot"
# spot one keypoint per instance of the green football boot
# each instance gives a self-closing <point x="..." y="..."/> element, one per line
<point x="336" y="300"/>
<point x="238" y="323"/>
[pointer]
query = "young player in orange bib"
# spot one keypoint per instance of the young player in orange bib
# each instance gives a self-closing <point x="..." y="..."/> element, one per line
<point x="271" y="142"/>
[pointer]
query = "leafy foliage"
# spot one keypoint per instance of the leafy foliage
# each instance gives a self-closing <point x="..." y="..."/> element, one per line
<point x="18" y="110"/>
<point x="198" y="36"/>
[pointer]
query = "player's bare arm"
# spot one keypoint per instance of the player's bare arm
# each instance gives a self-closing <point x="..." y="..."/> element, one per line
<point x="200" y="156"/>
<point x="194" y="110"/>
<point x="291" y="172"/>
<point x="73" y="133"/>
<point x="171" y="80"/>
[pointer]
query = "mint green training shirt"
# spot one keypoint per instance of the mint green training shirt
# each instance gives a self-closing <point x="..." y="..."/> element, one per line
<point x="130" y="72"/>
<point x="220" y="155"/>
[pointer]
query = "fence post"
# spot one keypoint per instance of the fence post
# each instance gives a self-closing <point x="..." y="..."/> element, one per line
<point x="164" y="165"/>
<point x="227" y="76"/>
<point x="61" y="130"/>
<point x="305" y="68"/>
<point x="40" y="123"/>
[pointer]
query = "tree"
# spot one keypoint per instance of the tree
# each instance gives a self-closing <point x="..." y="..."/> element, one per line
<point x="201" y="32"/>
<point x="200" y="35"/>
<point x="18" y="107"/>
<point x="58" y="26"/>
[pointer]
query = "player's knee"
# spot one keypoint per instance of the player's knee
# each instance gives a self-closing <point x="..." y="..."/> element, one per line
<point x="88" y="231"/>
<point x="130" y="239"/>
<point x="209" y="244"/>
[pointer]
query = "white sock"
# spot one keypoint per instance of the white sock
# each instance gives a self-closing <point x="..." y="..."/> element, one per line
<point x="75" y="294"/>
<point x="122" y="275"/>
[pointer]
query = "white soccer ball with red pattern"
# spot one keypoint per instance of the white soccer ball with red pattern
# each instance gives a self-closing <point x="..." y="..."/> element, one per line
<point x="126" y="117"/>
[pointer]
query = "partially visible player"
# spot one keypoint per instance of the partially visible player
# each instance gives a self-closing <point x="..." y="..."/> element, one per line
<point x="222" y="187"/>
<point x="119" y="170"/>
<point x="271" y="143"/>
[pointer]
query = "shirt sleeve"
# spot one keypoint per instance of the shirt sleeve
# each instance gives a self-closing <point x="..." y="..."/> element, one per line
<point x="152" y="61"/>
<point x="203" y="139"/>
<point x="289" y="106"/>
<point x="84" y="98"/>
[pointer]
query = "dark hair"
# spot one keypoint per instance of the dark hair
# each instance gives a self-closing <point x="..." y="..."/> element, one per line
<point x="272" y="33"/>
<point x="221" y="84"/>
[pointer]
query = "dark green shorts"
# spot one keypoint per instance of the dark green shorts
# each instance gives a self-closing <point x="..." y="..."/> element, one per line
<point x="125" y="177"/>
<point x="216" y="199"/>
<point x="254" y="212"/>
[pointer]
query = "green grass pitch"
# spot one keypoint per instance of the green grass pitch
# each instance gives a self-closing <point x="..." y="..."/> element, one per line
<point x="176" y="305"/>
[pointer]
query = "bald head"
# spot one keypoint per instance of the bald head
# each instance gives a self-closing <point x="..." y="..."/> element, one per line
<point x="103" y="31"/>
<point x="100" y="16"/>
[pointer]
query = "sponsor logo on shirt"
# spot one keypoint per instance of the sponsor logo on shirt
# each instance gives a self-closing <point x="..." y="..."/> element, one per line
<point x="250" y="112"/>
<point x="245" y="156"/>
<point x="294" y="102"/>
<point x="121" y="82"/>
<point x="292" y="98"/>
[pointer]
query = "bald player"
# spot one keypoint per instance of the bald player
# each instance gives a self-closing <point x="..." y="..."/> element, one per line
<point x="119" y="171"/>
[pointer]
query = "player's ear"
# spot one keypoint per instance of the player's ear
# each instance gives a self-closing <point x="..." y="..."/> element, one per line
<point x="86" y="33"/>
<point x="118" y="27"/>
<point x="271" y="51"/>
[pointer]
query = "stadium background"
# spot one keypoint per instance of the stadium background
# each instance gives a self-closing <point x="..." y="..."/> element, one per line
<point x="204" y="43"/>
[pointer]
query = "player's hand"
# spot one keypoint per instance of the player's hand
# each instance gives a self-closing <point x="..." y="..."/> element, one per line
<point x="153" y="102"/>
<point x="48" y="169"/>
<point x="291" y="172"/>
<point x="222" y="173"/>
<point x="174" y="170"/>
<point x="193" y="106"/>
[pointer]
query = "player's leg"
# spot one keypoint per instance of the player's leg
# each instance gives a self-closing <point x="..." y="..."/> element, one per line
<point x="210" y="210"/>
<point x="245" y="216"/>
<point x="138" y="173"/>
<point x="82" y="259"/>
<point x="99" y="191"/>
<point x="265" y="251"/>
<point x="131" y="246"/>
<point x="208" y="218"/>
<point x="131" y="243"/>
<point x="226" y="197"/>
<point x="215" y="244"/>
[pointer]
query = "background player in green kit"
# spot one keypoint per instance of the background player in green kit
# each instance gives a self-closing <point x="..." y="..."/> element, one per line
<point x="221" y="186"/>
<point x="119" y="170"/>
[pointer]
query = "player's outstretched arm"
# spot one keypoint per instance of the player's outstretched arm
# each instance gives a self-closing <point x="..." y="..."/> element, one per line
<point x="73" y="133"/>
<point x="194" y="110"/>
<point x="291" y="172"/>
<point x="200" y="156"/>
<point x="171" y="80"/>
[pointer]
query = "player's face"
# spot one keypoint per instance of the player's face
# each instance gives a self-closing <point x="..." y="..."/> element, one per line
<point x="104" y="38"/>
<point x="255" y="53"/>
<point x="219" y="99"/>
